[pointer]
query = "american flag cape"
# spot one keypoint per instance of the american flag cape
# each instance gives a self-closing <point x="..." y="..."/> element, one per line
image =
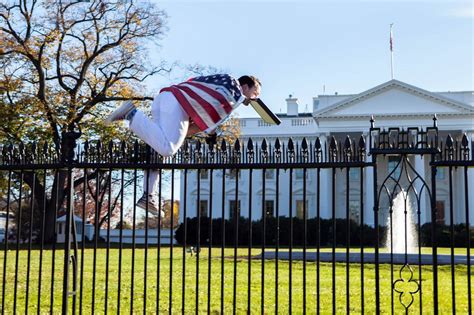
<point x="208" y="99"/>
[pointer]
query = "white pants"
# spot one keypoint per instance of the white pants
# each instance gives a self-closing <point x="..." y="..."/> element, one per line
<point x="164" y="132"/>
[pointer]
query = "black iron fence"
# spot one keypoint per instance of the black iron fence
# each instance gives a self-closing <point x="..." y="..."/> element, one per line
<point x="377" y="223"/>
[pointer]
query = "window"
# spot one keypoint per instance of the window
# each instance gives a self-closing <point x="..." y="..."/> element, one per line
<point x="233" y="208"/>
<point x="233" y="172"/>
<point x="203" y="208"/>
<point x="204" y="174"/>
<point x="269" y="208"/>
<point x="299" y="173"/>
<point x="354" y="173"/>
<point x="354" y="210"/>
<point x="393" y="162"/>
<point x="440" y="173"/>
<point x="269" y="174"/>
<point x="440" y="218"/>
<point x="300" y="205"/>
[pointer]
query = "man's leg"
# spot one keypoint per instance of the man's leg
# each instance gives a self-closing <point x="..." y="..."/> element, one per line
<point x="167" y="131"/>
<point x="173" y="124"/>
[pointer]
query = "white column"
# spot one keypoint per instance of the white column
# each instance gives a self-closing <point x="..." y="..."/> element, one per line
<point x="420" y="169"/>
<point x="368" y="187"/>
<point x="326" y="187"/>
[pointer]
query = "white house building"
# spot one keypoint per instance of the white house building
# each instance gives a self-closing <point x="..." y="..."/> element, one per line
<point x="393" y="104"/>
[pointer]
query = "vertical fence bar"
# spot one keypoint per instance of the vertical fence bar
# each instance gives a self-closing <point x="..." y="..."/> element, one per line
<point x="334" y="241"/>
<point x="318" y="244"/>
<point x="132" y="282"/>
<point x="28" y="268"/>
<point x="223" y="240"/>
<point x="377" y="239"/>
<point x="236" y="238"/>
<point x="209" y="258"/>
<point x="54" y="240"/>
<point x="277" y="201"/>
<point x="348" y="240"/>
<point x="96" y="237"/>
<point x="158" y="250"/>
<point x="40" y="264"/>
<point x="290" y="272"/>
<point x="451" y="228"/>
<point x="361" y="174"/>
<point x="119" y="272"/>
<point x="18" y="236"/>
<point x="107" y="263"/>
<point x="185" y="220"/>
<point x="5" y="239"/>
<point x="145" y="263"/>
<point x="420" y="279"/>
<point x="468" y="232"/>
<point x="249" y="273"/>
<point x="262" y="292"/>
<point x="198" y="237"/>
<point x="433" y="235"/>
<point x="83" y="238"/>
<point x="67" y="245"/>
<point x="305" y="222"/>
<point x="171" y="242"/>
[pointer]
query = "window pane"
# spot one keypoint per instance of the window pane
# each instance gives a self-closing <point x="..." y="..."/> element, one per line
<point x="354" y="210"/>
<point x="233" y="207"/>
<point x="300" y="209"/>
<point x="203" y="205"/>
<point x="269" y="208"/>
<point x="204" y="174"/>
<point x="299" y="173"/>
<point x="270" y="174"/>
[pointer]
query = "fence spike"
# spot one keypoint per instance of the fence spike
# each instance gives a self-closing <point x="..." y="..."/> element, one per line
<point x="277" y="145"/>
<point x="348" y="143"/>
<point x="264" y="145"/>
<point x="250" y="145"/>
<point x="223" y="146"/>
<point x="449" y="142"/>
<point x="291" y="146"/>
<point x="362" y="142"/>
<point x="237" y="146"/>
<point x="304" y="145"/>
<point x="317" y="145"/>
<point x="465" y="141"/>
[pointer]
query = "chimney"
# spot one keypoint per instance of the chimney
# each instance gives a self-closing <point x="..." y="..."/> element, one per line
<point x="292" y="106"/>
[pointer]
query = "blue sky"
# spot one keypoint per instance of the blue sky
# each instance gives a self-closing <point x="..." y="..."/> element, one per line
<point x="303" y="47"/>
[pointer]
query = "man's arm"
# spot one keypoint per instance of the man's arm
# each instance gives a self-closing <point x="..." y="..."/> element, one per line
<point x="192" y="130"/>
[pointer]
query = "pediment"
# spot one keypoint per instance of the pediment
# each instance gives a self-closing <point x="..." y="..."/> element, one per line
<point x="395" y="98"/>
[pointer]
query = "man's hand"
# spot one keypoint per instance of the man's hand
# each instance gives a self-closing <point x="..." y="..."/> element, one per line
<point x="246" y="102"/>
<point x="211" y="139"/>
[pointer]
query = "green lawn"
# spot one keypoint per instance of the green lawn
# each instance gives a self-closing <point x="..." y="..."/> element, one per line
<point x="176" y="278"/>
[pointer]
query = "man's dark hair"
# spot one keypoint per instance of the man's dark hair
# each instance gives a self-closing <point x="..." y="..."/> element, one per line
<point x="250" y="80"/>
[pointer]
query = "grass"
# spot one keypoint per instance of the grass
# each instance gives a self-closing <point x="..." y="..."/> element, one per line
<point x="135" y="280"/>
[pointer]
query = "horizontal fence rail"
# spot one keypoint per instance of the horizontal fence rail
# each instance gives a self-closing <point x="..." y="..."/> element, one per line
<point x="381" y="222"/>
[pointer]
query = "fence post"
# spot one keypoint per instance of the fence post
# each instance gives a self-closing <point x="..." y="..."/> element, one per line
<point x="67" y="244"/>
<point x="68" y="145"/>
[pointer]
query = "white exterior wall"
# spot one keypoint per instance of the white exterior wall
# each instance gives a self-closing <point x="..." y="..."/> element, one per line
<point x="394" y="104"/>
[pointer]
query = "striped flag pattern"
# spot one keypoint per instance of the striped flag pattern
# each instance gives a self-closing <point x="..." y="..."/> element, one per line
<point x="208" y="100"/>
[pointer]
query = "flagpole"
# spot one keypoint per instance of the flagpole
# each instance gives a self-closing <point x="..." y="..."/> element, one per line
<point x="391" y="49"/>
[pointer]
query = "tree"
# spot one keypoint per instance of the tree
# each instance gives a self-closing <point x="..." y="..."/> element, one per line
<point x="63" y="63"/>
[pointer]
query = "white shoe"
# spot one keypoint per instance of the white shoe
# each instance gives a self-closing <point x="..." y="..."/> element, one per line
<point x="152" y="205"/>
<point x="120" y="113"/>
